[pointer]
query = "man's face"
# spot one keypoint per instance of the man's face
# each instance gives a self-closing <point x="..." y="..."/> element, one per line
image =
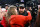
<point x="6" y="7"/>
<point x="21" y="9"/>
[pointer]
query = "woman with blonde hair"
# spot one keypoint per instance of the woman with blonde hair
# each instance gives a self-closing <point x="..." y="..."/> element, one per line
<point x="15" y="20"/>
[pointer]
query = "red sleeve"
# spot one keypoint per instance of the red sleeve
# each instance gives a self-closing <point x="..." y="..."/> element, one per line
<point x="29" y="17"/>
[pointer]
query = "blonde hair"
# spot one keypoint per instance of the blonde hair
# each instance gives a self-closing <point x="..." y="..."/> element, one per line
<point x="11" y="11"/>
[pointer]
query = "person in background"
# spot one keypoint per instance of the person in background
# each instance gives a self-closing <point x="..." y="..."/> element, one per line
<point x="15" y="20"/>
<point x="6" y="7"/>
<point x="27" y="9"/>
<point x="37" y="22"/>
<point x="30" y="9"/>
<point x="36" y="10"/>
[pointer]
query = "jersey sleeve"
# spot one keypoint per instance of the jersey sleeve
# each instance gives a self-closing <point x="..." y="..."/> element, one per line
<point x="29" y="17"/>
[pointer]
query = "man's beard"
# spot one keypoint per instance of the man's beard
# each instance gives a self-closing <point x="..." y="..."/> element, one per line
<point x="21" y="12"/>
